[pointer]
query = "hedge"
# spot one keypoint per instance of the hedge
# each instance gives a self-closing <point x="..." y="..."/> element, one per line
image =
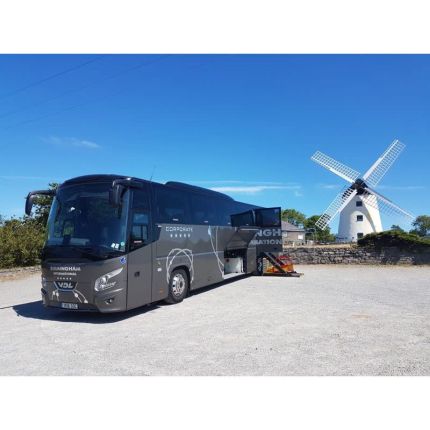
<point x="394" y="238"/>
<point x="21" y="242"/>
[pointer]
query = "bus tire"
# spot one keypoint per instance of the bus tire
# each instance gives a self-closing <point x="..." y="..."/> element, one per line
<point x="178" y="286"/>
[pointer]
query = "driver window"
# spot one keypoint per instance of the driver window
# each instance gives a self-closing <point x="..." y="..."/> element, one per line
<point x="139" y="233"/>
<point x="139" y="230"/>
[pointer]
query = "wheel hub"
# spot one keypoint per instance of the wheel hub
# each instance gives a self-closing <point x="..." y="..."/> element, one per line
<point x="178" y="284"/>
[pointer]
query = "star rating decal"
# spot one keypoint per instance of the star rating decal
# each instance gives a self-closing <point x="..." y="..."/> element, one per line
<point x="181" y="235"/>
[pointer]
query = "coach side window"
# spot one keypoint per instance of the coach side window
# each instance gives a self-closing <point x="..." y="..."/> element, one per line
<point x="224" y="209"/>
<point x="242" y="219"/>
<point x="203" y="210"/>
<point x="172" y="206"/>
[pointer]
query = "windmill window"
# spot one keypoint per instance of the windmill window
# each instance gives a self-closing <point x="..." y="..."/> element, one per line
<point x="358" y="203"/>
<point x="360" y="235"/>
<point x="359" y="217"/>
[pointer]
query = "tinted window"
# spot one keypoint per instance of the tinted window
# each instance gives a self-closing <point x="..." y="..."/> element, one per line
<point x="171" y="206"/>
<point x="139" y="235"/>
<point x="203" y="209"/>
<point x="81" y="215"/>
<point x="242" y="219"/>
<point x="141" y="199"/>
<point x="359" y="217"/>
<point x="224" y="209"/>
<point x="268" y="217"/>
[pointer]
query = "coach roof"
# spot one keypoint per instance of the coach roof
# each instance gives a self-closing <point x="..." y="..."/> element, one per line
<point x="171" y="184"/>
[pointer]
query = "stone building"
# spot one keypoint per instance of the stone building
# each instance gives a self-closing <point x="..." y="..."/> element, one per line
<point x="292" y="235"/>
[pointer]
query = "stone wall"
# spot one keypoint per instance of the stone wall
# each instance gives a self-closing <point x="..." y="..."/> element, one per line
<point x="355" y="255"/>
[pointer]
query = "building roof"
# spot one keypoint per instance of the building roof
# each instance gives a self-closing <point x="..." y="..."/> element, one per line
<point x="286" y="226"/>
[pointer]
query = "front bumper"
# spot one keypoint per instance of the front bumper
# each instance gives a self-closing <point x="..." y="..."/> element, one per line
<point x="106" y="301"/>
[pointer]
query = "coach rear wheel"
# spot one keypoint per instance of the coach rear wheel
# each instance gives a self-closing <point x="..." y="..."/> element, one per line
<point x="178" y="286"/>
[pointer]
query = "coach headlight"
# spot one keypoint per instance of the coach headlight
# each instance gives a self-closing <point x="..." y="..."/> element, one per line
<point x="103" y="282"/>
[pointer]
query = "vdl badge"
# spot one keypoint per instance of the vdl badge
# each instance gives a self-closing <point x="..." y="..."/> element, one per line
<point x="65" y="285"/>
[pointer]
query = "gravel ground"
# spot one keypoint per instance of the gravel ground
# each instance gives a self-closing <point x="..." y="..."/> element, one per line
<point x="17" y="273"/>
<point x="336" y="320"/>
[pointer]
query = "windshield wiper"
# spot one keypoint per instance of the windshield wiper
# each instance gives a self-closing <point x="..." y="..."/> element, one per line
<point x="86" y="251"/>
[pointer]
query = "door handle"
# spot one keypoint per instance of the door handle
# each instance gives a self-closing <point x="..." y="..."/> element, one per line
<point x="136" y="274"/>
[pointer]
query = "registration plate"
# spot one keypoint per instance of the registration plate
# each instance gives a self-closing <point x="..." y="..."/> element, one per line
<point x="69" y="305"/>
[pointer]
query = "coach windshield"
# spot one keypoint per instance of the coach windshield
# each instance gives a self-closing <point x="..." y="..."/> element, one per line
<point x="82" y="218"/>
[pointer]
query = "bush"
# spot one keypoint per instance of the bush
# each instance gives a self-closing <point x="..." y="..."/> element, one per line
<point x="21" y="241"/>
<point x="395" y="238"/>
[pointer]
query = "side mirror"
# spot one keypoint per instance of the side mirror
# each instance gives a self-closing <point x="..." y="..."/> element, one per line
<point x="115" y="195"/>
<point x="29" y="202"/>
<point x="31" y="197"/>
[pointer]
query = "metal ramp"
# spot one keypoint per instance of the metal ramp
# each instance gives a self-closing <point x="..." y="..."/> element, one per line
<point x="273" y="265"/>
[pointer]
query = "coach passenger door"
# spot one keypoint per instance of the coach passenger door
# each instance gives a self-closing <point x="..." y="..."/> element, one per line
<point x="140" y="246"/>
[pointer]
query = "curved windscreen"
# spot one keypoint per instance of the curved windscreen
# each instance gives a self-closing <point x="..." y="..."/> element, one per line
<point x="82" y="217"/>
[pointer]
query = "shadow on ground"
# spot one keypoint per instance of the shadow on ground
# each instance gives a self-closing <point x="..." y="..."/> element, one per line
<point x="36" y="310"/>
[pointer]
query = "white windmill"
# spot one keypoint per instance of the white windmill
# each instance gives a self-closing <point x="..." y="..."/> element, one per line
<point x="358" y="203"/>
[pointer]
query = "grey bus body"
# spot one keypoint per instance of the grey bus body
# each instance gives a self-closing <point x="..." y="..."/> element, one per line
<point x="116" y="243"/>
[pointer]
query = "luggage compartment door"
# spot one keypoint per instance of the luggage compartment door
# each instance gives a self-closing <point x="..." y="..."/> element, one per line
<point x="268" y="217"/>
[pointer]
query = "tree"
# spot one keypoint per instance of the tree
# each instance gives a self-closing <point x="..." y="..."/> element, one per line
<point x="421" y="225"/>
<point x="396" y="227"/>
<point x="294" y="217"/>
<point x="21" y="239"/>
<point x="318" y="234"/>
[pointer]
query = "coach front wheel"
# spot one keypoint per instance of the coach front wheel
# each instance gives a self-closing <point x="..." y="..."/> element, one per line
<point x="178" y="286"/>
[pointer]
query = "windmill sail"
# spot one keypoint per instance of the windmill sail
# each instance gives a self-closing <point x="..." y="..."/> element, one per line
<point x="378" y="201"/>
<point x="345" y="172"/>
<point x="340" y="201"/>
<point x="376" y="172"/>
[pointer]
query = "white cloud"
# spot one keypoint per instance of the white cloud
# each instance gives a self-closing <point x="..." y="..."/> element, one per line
<point x="86" y="144"/>
<point x="329" y="186"/>
<point x="254" y="189"/>
<point x="72" y="141"/>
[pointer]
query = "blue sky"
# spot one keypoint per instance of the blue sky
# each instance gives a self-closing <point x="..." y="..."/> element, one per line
<point x="243" y="124"/>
